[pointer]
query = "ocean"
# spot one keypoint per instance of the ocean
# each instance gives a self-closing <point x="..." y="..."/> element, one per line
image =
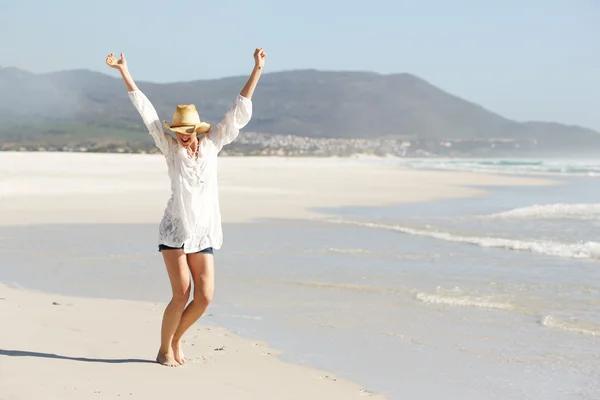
<point x="490" y="297"/>
<point x="531" y="166"/>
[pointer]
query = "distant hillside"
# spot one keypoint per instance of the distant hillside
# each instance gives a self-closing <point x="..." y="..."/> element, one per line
<point x="82" y="105"/>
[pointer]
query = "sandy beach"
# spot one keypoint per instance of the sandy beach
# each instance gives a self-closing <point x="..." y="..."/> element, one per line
<point x="40" y="188"/>
<point x="58" y="347"/>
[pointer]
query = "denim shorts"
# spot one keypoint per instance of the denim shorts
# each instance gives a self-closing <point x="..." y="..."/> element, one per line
<point x="161" y="247"/>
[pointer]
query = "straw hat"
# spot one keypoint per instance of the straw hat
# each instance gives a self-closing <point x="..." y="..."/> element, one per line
<point x="187" y="120"/>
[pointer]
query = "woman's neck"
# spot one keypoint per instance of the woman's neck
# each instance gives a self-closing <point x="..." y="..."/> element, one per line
<point x="192" y="149"/>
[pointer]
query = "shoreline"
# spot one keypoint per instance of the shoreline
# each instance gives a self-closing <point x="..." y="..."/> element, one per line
<point x="78" y="350"/>
<point x="129" y="189"/>
<point x="261" y="313"/>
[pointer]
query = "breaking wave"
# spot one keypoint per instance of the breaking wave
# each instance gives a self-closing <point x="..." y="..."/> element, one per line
<point x="551" y="211"/>
<point x="554" y="167"/>
<point x="571" y="325"/>
<point x="450" y="298"/>
<point x="583" y="250"/>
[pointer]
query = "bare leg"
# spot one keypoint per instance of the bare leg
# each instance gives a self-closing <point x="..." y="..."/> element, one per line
<point x="202" y="267"/>
<point x="179" y="275"/>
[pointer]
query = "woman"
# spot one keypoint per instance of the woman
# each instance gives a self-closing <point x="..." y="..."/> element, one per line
<point x="191" y="226"/>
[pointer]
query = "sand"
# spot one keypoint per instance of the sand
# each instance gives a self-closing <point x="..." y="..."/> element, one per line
<point x="40" y="188"/>
<point x="56" y="347"/>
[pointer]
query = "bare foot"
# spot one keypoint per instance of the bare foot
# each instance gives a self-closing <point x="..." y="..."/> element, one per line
<point x="166" y="359"/>
<point x="178" y="352"/>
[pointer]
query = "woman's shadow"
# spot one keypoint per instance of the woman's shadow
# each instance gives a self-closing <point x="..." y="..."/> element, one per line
<point x="20" y="353"/>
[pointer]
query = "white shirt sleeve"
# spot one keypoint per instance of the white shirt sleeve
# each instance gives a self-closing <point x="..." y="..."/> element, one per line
<point x="236" y="118"/>
<point x="163" y="141"/>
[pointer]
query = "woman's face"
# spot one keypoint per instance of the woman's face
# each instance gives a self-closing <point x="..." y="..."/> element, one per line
<point x="186" y="139"/>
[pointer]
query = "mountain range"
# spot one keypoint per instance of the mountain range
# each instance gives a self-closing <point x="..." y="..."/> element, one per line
<point x="80" y="105"/>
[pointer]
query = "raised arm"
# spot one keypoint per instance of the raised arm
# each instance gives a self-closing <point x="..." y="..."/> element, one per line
<point x="259" y="63"/>
<point x="164" y="141"/>
<point x="240" y="112"/>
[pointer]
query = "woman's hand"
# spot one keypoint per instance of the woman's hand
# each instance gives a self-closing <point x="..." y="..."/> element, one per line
<point x="113" y="62"/>
<point x="121" y="66"/>
<point x="259" y="57"/>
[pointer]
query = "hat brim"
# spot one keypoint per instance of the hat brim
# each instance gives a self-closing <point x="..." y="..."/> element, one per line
<point x="198" y="129"/>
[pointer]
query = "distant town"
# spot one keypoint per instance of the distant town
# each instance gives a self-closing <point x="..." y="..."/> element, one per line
<point x="257" y="144"/>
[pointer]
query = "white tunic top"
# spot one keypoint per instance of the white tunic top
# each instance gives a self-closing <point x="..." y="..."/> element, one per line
<point x="192" y="217"/>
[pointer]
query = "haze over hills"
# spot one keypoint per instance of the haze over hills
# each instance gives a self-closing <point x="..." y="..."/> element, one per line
<point x="80" y="105"/>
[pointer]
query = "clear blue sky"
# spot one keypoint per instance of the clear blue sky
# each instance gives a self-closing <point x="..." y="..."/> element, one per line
<point x="525" y="59"/>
